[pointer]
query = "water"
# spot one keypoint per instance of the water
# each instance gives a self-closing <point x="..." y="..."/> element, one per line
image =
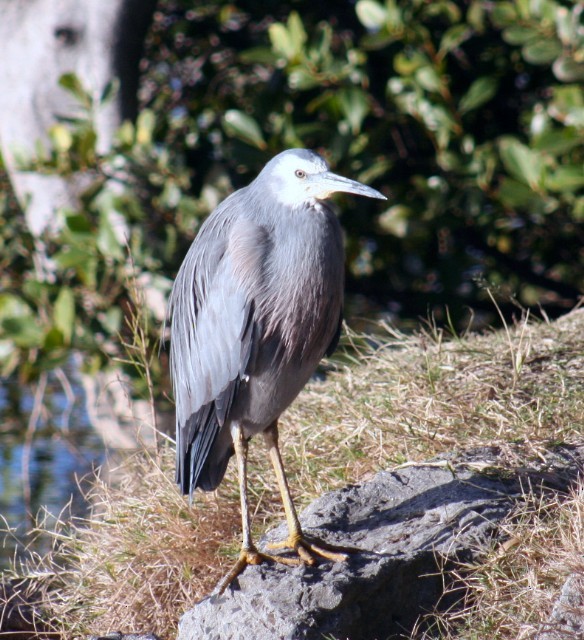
<point x="41" y="471"/>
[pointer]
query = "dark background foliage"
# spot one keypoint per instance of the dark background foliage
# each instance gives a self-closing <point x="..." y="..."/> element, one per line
<point x="468" y="115"/>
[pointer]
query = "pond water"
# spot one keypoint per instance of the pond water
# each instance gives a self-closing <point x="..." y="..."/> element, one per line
<point x="41" y="469"/>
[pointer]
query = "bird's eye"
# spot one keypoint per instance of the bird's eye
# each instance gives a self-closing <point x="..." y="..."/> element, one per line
<point x="300" y="174"/>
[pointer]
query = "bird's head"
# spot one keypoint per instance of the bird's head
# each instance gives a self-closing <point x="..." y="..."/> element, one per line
<point x="296" y="176"/>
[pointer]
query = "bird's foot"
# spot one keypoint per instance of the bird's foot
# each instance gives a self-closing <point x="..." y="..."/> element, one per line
<point x="254" y="557"/>
<point x="307" y="548"/>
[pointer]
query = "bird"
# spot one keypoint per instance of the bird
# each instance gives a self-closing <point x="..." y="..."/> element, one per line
<point x="255" y="306"/>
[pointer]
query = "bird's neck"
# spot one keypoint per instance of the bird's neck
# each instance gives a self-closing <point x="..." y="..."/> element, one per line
<point x="305" y="271"/>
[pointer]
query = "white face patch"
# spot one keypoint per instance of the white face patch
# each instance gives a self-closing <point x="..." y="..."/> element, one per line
<point x="295" y="179"/>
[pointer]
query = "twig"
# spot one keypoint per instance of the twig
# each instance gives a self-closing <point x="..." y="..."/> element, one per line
<point x="26" y="451"/>
<point x="69" y="394"/>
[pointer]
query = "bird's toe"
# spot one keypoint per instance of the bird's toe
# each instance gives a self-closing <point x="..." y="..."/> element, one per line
<point x="308" y="549"/>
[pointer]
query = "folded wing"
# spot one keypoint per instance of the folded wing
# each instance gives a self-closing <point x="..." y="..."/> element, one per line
<point x="212" y="337"/>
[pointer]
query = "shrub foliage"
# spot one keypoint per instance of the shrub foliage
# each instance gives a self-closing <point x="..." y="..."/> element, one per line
<point x="468" y="114"/>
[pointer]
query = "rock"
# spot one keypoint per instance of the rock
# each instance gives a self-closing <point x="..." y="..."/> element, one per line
<point x="408" y="524"/>
<point x="567" y="619"/>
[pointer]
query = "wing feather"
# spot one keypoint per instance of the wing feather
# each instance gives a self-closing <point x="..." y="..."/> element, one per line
<point x="212" y="314"/>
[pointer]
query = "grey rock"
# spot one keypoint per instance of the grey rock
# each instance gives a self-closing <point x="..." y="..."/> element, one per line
<point x="567" y="619"/>
<point x="408" y="526"/>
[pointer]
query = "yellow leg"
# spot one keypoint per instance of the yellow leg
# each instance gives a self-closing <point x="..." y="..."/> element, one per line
<point x="249" y="553"/>
<point x="304" y="546"/>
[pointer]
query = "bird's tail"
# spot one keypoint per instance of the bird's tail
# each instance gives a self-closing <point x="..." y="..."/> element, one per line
<point x="204" y="445"/>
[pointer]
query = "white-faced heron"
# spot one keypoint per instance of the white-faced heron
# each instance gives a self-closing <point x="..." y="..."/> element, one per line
<point x="256" y="305"/>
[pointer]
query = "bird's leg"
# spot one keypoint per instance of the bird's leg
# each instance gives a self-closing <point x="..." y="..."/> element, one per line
<point x="248" y="553"/>
<point x="304" y="546"/>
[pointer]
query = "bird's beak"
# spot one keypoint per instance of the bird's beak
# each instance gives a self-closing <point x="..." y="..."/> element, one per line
<point x="329" y="183"/>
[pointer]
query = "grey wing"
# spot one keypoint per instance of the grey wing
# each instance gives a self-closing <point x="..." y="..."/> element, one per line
<point x="212" y="336"/>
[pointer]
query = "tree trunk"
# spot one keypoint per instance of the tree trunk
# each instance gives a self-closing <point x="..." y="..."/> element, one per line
<point x="41" y="40"/>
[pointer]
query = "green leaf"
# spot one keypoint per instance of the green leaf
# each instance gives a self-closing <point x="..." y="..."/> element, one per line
<point x="258" y="55"/>
<point x="558" y="141"/>
<point x="523" y="163"/>
<point x="378" y="40"/>
<point x="577" y="212"/>
<point x="407" y="63"/>
<point x="125" y="134"/>
<point x="568" y="105"/>
<point x="479" y="92"/>
<point x="60" y="137"/>
<point x="13" y="306"/>
<point x="354" y="105"/>
<point x="64" y="313"/>
<point x="542" y="51"/>
<point x="240" y="125"/>
<point x="566" y="179"/>
<point x="297" y="33"/>
<point x="503" y="13"/>
<point x="444" y="9"/>
<point x="288" y="40"/>
<point x="371" y="14"/>
<point x="78" y="223"/>
<point x="9" y="359"/>
<point x="454" y="37"/>
<point x="86" y="146"/>
<point x="281" y="41"/>
<point x="72" y="257"/>
<point x="567" y="69"/>
<point x="302" y="79"/>
<point x="394" y="221"/>
<point x="438" y="120"/>
<point x="82" y="260"/>
<point x="111" y="320"/>
<point x="566" y="98"/>
<point x="36" y="290"/>
<point x="145" y="127"/>
<point x="24" y="331"/>
<point x="428" y="79"/>
<point x="517" y="34"/>
<point x="108" y="241"/>
<point x="71" y="83"/>
<point x="514" y="194"/>
<point x="54" y="339"/>
<point x="475" y="15"/>
<point x="110" y="91"/>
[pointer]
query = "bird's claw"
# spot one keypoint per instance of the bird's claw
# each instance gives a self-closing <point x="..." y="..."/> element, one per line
<point x="307" y="548"/>
<point x="251" y="557"/>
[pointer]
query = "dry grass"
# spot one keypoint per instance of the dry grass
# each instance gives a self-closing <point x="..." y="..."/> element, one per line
<point x="511" y="592"/>
<point x="141" y="558"/>
<point x="421" y="395"/>
<point x="144" y="556"/>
